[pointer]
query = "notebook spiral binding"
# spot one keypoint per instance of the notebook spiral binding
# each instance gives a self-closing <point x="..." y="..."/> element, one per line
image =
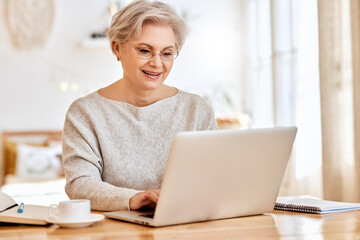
<point x="297" y="208"/>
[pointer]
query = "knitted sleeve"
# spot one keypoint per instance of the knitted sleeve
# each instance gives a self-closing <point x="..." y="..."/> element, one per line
<point x="82" y="164"/>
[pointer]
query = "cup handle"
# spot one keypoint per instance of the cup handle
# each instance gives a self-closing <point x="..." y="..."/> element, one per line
<point x="51" y="214"/>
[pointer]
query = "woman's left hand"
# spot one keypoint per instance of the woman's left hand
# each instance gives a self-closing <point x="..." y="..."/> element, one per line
<point x="148" y="198"/>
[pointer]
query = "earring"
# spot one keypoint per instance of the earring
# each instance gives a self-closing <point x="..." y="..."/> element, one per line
<point x="118" y="58"/>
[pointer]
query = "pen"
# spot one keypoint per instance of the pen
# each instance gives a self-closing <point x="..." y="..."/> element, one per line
<point x="21" y="208"/>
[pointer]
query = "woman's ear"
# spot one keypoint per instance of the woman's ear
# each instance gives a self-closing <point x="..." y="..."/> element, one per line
<point x="116" y="49"/>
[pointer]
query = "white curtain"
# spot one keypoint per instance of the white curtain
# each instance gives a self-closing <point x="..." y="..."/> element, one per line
<point x="302" y="67"/>
<point x="282" y="81"/>
<point x="339" y="40"/>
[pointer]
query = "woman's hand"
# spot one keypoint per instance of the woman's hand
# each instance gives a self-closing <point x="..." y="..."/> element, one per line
<point x="144" y="199"/>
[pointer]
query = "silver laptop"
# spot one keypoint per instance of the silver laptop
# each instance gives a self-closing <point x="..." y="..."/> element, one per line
<point x="219" y="174"/>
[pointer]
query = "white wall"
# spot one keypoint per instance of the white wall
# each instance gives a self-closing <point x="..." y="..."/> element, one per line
<point x="29" y="94"/>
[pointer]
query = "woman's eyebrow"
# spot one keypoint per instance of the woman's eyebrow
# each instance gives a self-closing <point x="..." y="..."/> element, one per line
<point x="151" y="47"/>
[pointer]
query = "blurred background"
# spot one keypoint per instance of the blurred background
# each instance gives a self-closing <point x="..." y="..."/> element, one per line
<point x="259" y="63"/>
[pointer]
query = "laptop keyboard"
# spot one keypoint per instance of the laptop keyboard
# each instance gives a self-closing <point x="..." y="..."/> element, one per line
<point x="150" y="215"/>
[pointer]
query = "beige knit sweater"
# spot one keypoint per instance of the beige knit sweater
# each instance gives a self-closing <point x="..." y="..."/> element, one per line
<point x="112" y="149"/>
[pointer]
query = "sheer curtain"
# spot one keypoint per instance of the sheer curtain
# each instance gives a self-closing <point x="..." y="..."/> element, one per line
<point x="302" y="67"/>
<point x="340" y="88"/>
<point x="282" y="81"/>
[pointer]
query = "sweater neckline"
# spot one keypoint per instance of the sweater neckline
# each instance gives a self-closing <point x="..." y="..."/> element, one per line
<point x="165" y="100"/>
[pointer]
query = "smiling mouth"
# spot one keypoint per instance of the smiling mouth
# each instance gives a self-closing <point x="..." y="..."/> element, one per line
<point x="151" y="73"/>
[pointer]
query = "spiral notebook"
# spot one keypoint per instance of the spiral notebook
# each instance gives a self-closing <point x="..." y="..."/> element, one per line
<point x="311" y="204"/>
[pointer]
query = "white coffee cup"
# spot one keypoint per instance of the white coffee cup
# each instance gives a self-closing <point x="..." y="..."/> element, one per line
<point x="71" y="211"/>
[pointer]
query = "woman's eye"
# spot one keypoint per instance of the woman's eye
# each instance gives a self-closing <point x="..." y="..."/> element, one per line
<point x="168" y="53"/>
<point x="145" y="51"/>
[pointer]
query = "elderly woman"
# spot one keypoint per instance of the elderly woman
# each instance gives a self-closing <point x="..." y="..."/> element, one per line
<point x="116" y="140"/>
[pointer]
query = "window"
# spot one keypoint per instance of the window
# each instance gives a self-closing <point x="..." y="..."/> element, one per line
<point x="281" y="76"/>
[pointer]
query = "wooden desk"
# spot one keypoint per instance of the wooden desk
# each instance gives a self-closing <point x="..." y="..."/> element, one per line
<point x="276" y="225"/>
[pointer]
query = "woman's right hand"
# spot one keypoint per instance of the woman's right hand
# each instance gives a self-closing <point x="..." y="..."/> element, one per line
<point x="148" y="198"/>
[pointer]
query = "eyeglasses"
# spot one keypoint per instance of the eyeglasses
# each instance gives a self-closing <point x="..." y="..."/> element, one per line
<point x="146" y="53"/>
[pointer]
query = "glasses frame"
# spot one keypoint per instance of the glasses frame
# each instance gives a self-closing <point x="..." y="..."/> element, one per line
<point x="153" y="54"/>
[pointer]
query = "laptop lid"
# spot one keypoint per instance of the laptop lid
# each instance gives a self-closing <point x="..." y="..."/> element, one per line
<point x="223" y="174"/>
<point x="219" y="174"/>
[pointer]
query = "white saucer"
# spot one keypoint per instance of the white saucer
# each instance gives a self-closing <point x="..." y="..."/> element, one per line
<point x="76" y="224"/>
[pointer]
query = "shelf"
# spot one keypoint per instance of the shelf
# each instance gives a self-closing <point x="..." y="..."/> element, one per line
<point x="95" y="43"/>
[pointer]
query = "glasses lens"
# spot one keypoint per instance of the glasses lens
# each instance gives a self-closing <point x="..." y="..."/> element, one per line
<point x="168" y="55"/>
<point x="145" y="53"/>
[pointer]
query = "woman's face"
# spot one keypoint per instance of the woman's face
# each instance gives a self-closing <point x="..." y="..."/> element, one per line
<point x="148" y="74"/>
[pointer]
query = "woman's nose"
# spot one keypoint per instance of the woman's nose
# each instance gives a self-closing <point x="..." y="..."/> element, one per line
<point x="156" y="60"/>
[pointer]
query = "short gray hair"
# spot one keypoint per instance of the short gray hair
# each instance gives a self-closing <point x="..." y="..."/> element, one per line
<point x="128" y="22"/>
